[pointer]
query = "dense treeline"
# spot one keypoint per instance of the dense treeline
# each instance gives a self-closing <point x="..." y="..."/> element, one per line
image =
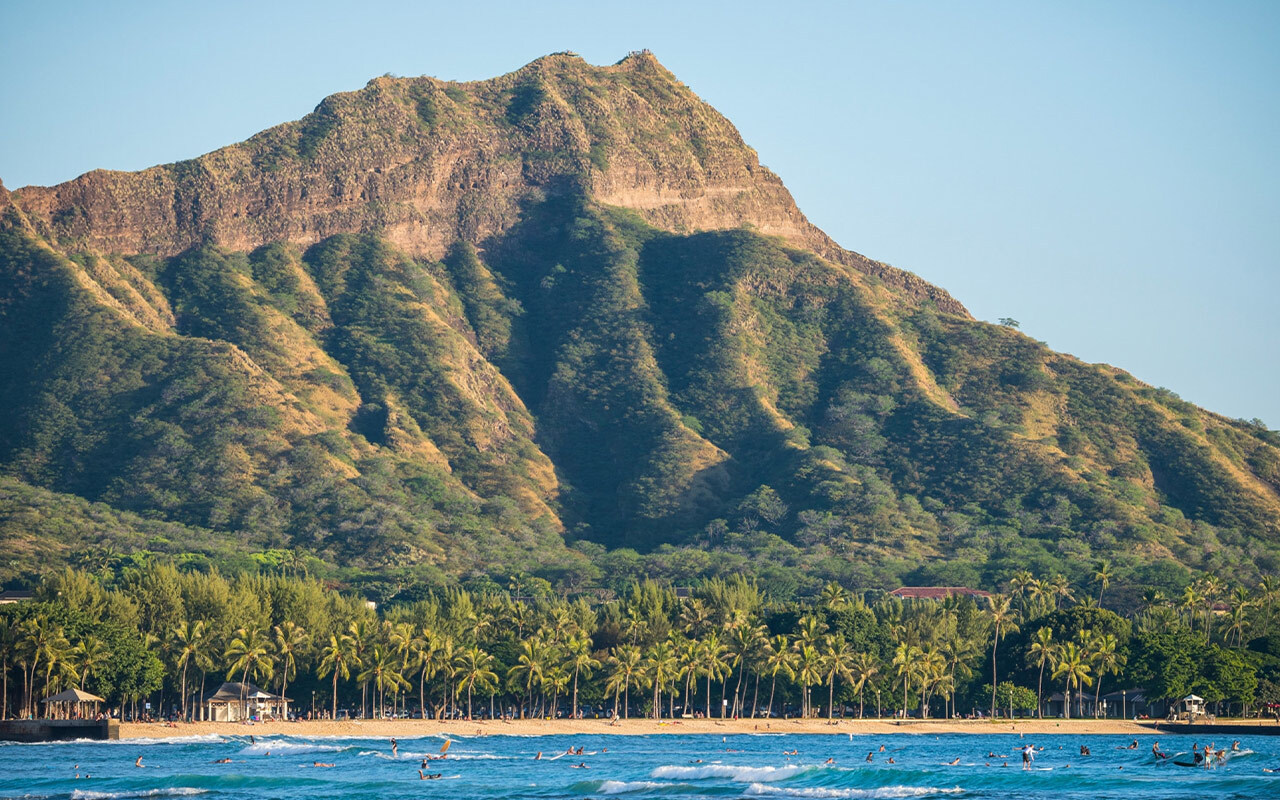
<point x="154" y="634"/>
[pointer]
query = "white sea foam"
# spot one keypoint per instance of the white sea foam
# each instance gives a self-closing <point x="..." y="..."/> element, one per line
<point x="624" y="787"/>
<point x="178" y="791"/>
<point x="284" y="747"/>
<point x="732" y="772"/>
<point x="761" y="790"/>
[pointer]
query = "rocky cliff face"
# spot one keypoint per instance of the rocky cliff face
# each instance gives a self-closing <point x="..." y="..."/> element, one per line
<point x="429" y="163"/>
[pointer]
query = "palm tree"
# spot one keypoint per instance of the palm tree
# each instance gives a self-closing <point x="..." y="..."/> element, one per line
<point x="1073" y="666"/>
<point x="290" y="639"/>
<point x="837" y="661"/>
<point x="660" y="668"/>
<point x="626" y="660"/>
<point x="1268" y="587"/>
<point x="250" y="654"/>
<point x="933" y="672"/>
<point x="864" y="668"/>
<point x="1106" y="660"/>
<point x="7" y="641"/>
<point x="1102" y="577"/>
<point x="778" y="658"/>
<point x="475" y="669"/>
<point x="743" y="642"/>
<point x="1003" y="621"/>
<point x="1041" y="650"/>
<point x="711" y="663"/>
<point x="338" y="657"/>
<point x="834" y="596"/>
<point x="578" y="649"/>
<point x="187" y="640"/>
<point x="906" y="658"/>
<point x="529" y="667"/>
<point x="809" y="665"/>
<point x="381" y="669"/>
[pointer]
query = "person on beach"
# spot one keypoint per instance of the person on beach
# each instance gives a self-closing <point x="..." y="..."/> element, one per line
<point x="1028" y="755"/>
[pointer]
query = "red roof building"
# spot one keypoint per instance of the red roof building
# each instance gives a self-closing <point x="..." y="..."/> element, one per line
<point x="936" y="592"/>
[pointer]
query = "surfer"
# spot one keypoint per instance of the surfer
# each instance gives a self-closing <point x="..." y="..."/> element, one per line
<point x="1155" y="751"/>
<point x="953" y="762"/>
<point x="881" y="748"/>
<point x="320" y="764"/>
<point x="432" y="777"/>
<point x="138" y="763"/>
<point x="581" y="765"/>
<point x="1028" y="755"/>
<point x="221" y="761"/>
<point x="1235" y="746"/>
<point x="395" y="748"/>
<point x="1084" y="750"/>
<point x="870" y="757"/>
<point x="829" y="761"/>
<point x="891" y="761"/>
<point x="1133" y="745"/>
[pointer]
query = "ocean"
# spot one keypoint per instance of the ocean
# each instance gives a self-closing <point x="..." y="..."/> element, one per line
<point x="639" y="767"/>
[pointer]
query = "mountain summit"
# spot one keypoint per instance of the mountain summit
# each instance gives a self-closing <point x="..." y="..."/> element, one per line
<point x="560" y="321"/>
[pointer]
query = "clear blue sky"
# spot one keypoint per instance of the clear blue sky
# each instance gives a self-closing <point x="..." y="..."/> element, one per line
<point x="1108" y="173"/>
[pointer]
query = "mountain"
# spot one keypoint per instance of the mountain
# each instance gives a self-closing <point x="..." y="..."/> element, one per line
<point x="560" y="322"/>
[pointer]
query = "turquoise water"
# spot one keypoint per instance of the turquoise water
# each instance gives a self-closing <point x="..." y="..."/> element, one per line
<point x="638" y="767"/>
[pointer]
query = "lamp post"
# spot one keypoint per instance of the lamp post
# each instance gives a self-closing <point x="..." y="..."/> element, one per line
<point x="877" y="704"/>
<point x="313" y="704"/>
<point x="1124" y="704"/>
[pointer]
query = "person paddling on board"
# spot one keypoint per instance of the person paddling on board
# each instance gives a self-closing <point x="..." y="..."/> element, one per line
<point x="1028" y="755"/>
<point x="1155" y="751"/>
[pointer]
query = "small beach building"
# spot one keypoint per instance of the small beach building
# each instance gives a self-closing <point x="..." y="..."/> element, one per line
<point x="1192" y="706"/>
<point x="937" y="592"/>
<point x="72" y="704"/>
<point x="233" y="702"/>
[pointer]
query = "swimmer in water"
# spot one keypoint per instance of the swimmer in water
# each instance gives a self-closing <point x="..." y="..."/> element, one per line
<point x="395" y="748"/>
<point x="953" y="762"/>
<point x="881" y="748"/>
<point x="829" y="761"/>
<point x="581" y="765"/>
<point x="1084" y="750"/>
<point x="1133" y="745"/>
<point x="538" y="757"/>
<point x="138" y="763"/>
<point x="1235" y="746"/>
<point x="222" y="761"/>
<point x="432" y="777"/>
<point x="891" y="761"/>
<point x="320" y="764"/>
<point x="869" y="757"/>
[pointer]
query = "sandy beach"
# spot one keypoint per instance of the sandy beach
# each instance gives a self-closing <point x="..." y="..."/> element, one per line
<point x="410" y="728"/>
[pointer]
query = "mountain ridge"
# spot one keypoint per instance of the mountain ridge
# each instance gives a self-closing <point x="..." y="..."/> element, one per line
<point x="559" y="321"/>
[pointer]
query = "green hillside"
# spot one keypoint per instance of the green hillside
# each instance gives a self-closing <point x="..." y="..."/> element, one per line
<point x="573" y="378"/>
